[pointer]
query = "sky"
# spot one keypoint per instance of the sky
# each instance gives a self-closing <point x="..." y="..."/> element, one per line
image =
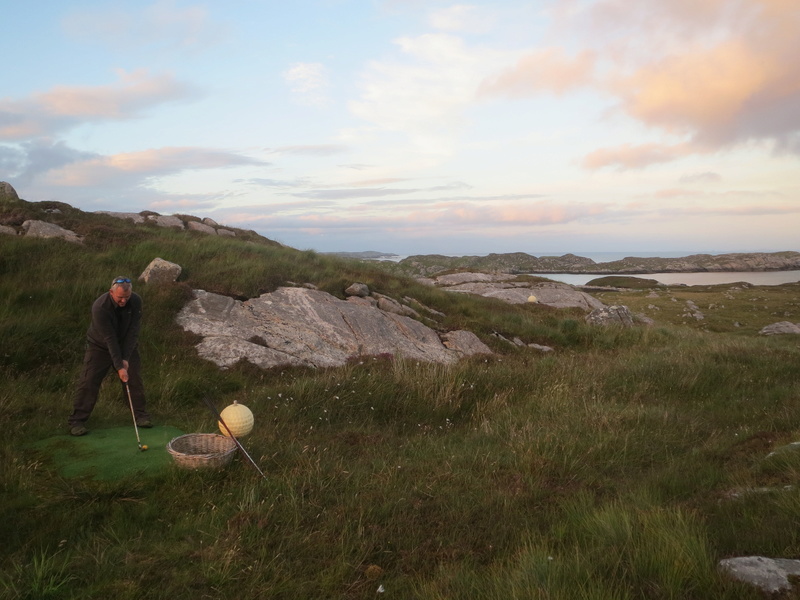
<point x="417" y="126"/>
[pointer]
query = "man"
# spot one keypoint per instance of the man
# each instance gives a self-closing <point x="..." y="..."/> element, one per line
<point x="112" y="341"/>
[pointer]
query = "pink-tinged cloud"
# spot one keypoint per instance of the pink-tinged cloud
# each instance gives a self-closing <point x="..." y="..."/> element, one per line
<point x="549" y="69"/>
<point x="713" y="73"/>
<point x="639" y="156"/>
<point x="139" y="166"/>
<point x="703" y="93"/>
<point x="65" y="107"/>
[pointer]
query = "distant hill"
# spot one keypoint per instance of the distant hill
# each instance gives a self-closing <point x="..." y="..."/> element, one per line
<point x="366" y="255"/>
<point x="519" y="262"/>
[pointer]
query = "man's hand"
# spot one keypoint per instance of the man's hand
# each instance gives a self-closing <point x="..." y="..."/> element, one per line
<point x="123" y="374"/>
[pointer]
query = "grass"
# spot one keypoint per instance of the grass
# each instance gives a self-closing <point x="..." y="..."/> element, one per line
<point x="623" y="465"/>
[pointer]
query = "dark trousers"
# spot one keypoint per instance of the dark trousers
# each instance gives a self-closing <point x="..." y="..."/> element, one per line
<point x="96" y="364"/>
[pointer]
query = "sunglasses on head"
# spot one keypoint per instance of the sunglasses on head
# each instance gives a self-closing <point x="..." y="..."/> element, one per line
<point x="121" y="280"/>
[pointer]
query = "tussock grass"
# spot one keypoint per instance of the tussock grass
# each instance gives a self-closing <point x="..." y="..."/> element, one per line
<point x="623" y="465"/>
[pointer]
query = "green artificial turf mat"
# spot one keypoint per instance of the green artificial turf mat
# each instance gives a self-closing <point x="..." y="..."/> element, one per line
<point x="110" y="454"/>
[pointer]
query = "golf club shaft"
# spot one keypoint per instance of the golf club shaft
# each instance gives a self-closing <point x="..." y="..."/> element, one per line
<point x="135" y="426"/>
<point x="214" y="410"/>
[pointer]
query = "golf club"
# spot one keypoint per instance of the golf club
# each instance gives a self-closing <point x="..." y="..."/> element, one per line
<point x="135" y="426"/>
<point x="214" y="410"/>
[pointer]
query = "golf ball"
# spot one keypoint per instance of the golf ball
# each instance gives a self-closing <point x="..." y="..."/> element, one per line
<point x="238" y="418"/>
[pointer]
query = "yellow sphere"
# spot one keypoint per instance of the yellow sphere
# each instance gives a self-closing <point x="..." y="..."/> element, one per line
<point x="532" y="299"/>
<point x="238" y="418"/>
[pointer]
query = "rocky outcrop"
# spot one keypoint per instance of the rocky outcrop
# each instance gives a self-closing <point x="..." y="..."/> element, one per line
<point x="514" y="290"/>
<point x="209" y="226"/>
<point x="43" y="229"/>
<point x="303" y="327"/>
<point x="780" y="328"/>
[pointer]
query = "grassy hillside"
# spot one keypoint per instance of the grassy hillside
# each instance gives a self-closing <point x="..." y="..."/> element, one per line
<point x="605" y="470"/>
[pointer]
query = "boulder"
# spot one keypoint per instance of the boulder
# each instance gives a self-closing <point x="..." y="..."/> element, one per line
<point x="771" y="575"/>
<point x="166" y="221"/>
<point x="780" y="328"/>
<point x="464" y="342"/>
<point x="540" y="348"/>
<point x="616" y="315"/>
<point x="135" y="217"/>
<point x="6" y="230"/>
<point x="393" y="306"/>
<point x="7" y="192"/>
<point x="210" y="222"/>
<point x="43" y="229"/>
<point x="357" y="289"/>
<point x="298" y="326"/>
<point x="201" y="227"/>
<point x="161" y="271"/>
<point x="227" y="232"/>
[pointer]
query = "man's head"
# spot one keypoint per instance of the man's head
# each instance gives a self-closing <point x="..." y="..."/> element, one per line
<point x="121" y="290"/>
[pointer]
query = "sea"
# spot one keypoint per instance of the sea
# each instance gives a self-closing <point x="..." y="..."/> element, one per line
<point x="751" y="277"/>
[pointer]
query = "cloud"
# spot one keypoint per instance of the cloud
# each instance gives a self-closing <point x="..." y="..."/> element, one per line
<point x="710" y="75"/>
<point x="351" y="193"/>
<point x="310" y="150"/>
<point x="628" y="156"/>
<point x="424" y="92"/>
<point x="277" y="183"/>
<point x="705" y="94"/>
<point x="65" y="107"/>
<point x="162" y="22"/>
<point x="701" y="178"/>
<point x="137" y="167"/>
<point x="462" y="18"/>
<point x="40" y="156"/>
<point x="548" y="69"/>
<point x="720" y="87"/>
<point x="308" y="82"/>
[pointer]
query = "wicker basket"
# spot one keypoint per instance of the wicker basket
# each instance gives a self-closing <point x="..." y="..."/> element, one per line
<point x="202" y="450"/>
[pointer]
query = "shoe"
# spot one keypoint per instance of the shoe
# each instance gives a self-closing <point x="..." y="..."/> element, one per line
<point x="78" y="430"/>
<point x="144" y="423"/>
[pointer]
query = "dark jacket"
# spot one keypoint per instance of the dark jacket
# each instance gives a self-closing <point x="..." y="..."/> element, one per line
<point x="116" y="328"/>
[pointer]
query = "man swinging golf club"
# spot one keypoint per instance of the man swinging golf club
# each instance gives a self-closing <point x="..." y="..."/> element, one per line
<point x="112" y="341"/>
